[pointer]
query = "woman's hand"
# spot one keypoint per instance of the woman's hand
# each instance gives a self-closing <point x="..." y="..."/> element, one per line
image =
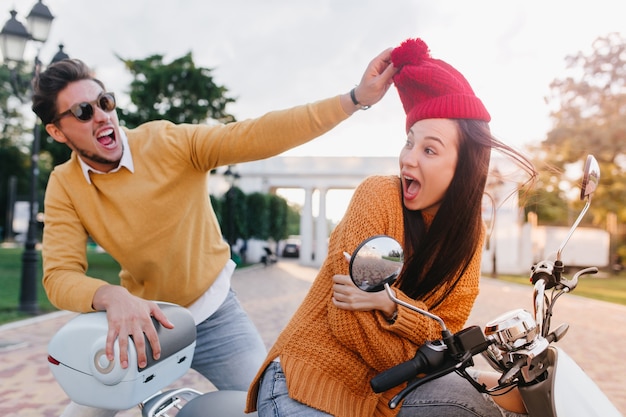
<point x="348" y="296"/>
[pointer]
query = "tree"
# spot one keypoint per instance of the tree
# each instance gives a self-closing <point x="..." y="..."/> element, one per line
<point x="258" y="216"/>
<point x="14" y="138"/>
<point x="179" y="92"/>
<point x="234" y="215"/>
<point x="293" y="220"/>
<point x="278" y="217"/>
<point x="589" y="116"/>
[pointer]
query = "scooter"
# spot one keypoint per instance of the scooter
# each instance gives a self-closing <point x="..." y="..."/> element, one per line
<point x="77" y="359"/>
<point x="269" y="258"/>
<point x="519" y="345"/>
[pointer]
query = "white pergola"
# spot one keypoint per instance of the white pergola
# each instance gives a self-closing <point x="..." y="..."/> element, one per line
<point x="312" y="174"/>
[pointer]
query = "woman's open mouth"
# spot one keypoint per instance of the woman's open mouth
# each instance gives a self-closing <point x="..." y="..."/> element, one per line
<point x="411" y="187"/>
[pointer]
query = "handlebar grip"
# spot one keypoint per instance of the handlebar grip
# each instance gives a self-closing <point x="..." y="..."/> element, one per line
<point x="427" y="357"/>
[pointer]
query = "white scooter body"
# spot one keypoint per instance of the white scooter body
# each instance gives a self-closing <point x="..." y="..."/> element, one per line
<point x="568" y="392"/>
<point x="77" y="361"/>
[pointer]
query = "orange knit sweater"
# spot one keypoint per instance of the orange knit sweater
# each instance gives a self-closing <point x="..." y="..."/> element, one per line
<point x="330" y="355"/>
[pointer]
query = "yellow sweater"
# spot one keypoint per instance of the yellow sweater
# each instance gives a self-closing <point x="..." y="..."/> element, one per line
<point x="330" y="355"/>
<point x="157" y="222"/>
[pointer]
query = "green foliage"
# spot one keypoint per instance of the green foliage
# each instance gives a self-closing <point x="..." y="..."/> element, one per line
<point x="589" y="117"/>
<point x="293" y="221"/>
<point x="279" y="217"/>
<point x="101" y="265"/>
<point x="179" y="92"/>
<point x="255" y="215"/>
<point x="234" y="215"/>
<point x="14" y="147"/>
<point x="16" y="138"/>
<point x="548" y="206"/>
<point x="258" y="216"/>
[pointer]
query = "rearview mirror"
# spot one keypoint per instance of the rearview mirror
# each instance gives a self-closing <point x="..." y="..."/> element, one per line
<point x="376" y="262"/>
<point x="591" y="177"/>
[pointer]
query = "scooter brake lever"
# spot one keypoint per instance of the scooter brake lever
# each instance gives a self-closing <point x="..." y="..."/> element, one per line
<point x="509" y="375"/>
<point x="558" y="334"/>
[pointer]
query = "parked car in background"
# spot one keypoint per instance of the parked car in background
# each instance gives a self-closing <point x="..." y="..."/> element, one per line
<point x="291" y="248"/>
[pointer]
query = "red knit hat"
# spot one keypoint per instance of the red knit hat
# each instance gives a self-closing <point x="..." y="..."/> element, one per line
<point x="432" y="89"/>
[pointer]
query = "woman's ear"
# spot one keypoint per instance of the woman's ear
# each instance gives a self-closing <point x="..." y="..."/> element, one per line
<point x="55" y="133"/>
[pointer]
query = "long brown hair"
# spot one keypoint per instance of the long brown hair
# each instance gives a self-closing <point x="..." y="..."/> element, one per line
<point x="437" y="255"/>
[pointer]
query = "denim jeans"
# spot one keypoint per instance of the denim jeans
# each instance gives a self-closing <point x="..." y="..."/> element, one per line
<point x="273" y="399"/>
<point x="229" y="352"/>
<point x="229" y="349"/>
<point x="449" y="396"/>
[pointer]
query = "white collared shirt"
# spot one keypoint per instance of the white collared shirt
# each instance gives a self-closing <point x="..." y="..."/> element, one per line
<point x="125" y="162"/>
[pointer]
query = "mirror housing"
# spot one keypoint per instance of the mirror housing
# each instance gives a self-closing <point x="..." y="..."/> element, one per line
<point x="375" y="265"/>
<point x="591" y="177"/>
<point x="376" y="261"/>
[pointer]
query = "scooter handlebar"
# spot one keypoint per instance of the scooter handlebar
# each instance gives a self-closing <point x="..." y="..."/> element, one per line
<point x="428" y="357"/>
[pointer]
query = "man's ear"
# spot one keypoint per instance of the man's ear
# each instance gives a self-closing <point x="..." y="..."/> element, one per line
<point x="55" y="133"/>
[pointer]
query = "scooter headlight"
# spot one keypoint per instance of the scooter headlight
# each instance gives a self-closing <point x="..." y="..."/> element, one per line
<point x="513" y="330"/>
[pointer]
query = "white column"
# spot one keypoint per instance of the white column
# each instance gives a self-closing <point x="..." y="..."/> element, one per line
<point x="321" y="230"/>
<point x="306" y="228"/>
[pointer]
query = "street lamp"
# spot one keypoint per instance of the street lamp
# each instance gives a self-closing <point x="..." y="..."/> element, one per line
<point x="13" y="39"/>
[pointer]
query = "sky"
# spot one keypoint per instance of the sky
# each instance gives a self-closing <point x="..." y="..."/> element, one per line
<point x="273" y="54"/>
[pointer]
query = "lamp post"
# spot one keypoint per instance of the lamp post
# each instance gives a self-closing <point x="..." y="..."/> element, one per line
<point x="13" y="39"/>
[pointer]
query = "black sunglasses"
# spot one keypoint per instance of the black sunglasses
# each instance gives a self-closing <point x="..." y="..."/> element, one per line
<point x="83" y="112"/>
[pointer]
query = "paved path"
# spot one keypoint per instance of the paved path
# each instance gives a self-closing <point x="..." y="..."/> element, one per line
<point x="271" y="295"/>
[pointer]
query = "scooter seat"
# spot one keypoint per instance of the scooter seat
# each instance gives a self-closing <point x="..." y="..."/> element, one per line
<point x="217" y="403"/>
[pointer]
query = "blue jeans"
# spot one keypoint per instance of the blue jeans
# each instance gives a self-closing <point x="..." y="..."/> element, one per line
<point x="273" y="399"/>
<point x="229" y="352"/>
<point x="449" y="396"/>
<point x="229" y="349"/>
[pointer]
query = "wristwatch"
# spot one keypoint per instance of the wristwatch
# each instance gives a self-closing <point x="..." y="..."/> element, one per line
<point x="356" y="102"/>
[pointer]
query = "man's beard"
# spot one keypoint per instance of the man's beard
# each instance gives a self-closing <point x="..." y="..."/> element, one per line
<point x="88" y="156"/>
<point x="97" y="159"/>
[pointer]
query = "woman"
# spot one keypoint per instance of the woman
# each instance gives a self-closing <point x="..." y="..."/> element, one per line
<point x="341" y="337"/>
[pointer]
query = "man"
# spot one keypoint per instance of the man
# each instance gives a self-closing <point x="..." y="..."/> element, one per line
<point x="142" y="195"/>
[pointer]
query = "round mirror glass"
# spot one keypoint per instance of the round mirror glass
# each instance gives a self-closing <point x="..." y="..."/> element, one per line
<point x="591" y="177"/>
<point x="378" y="260"/>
